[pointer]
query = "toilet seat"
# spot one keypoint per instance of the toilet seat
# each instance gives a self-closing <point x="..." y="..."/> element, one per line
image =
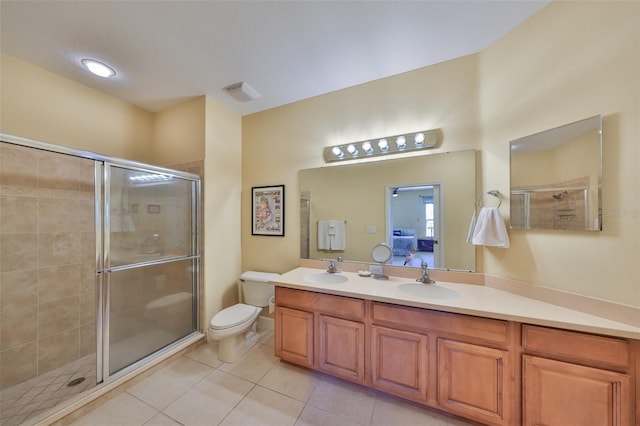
<point x="233" y="316"/>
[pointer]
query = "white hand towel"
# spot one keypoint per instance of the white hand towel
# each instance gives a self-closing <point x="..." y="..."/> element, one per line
<point x="490" y="229"/>
<point x="337" y="235"/>
<point x="323" y="235"/>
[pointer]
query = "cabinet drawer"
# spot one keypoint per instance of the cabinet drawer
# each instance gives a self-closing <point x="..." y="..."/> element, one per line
<point x="585" y="348"/>
<point x="488" y="330"/>
<point x="340" y="306"/>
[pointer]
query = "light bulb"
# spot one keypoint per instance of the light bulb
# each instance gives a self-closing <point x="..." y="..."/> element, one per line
<point x="337" y="151"/>
<point x="366" y="147"/>
<point x="383" y="144"/>
<point x="418" y="139"/>
<point x="98" y="68"/>
<point x="351" y="149"/>
<point x="401" y="142"/>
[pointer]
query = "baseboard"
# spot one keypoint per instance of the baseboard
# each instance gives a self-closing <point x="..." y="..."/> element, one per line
<point x="265" y="323"/>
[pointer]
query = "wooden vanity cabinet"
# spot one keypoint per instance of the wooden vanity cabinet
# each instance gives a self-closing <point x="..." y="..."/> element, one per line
<point x="294" y="335"/>
<point x="495" y="372"/>
<point x="458" y="363"/>
<point x="572" y="378"/>
<point x="400" y="362"/>
<point x="321" y="331"/>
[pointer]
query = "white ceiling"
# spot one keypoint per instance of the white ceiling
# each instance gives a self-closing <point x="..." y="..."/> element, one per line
<point x="166" y="52"/>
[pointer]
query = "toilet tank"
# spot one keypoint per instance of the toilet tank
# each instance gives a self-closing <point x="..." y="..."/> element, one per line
<point x="256" y="288"/>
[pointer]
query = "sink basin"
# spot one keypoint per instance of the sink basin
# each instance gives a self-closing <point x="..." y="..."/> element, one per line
<point x="430" y="291"/>
<point x="325" y="278"/>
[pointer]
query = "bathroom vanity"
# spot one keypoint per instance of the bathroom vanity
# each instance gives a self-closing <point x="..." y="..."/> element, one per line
<point x="470" y="350"/>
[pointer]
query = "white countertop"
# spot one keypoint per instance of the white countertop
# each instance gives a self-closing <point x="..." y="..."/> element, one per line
<point x="478" y="300"/>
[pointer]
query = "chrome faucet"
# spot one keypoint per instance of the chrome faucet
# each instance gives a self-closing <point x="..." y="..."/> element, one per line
<point x="332" y="266"/>
<point x="425" y="279"/>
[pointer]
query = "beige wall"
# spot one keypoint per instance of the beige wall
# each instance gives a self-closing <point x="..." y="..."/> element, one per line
<point x="179" y="133"/>
<point x="571" y="61"/>
<point x="222" y="208"/>
<point x="38" y="104"/>
<point x="279" y="142"/>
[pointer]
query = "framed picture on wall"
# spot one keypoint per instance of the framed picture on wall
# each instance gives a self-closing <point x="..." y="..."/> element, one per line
<point x="267" y="210"/>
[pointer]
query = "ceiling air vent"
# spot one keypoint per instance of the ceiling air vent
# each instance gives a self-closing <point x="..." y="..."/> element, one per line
<point x="241" y="91"/>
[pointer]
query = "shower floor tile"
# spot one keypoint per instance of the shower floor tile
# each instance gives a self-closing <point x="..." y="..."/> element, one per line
<point x="28" y="399"/>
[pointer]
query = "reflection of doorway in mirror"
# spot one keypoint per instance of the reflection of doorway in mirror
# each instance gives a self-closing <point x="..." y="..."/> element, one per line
<point x="414" y="224"/>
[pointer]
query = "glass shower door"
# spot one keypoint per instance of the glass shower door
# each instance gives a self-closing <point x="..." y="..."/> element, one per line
<point x="151" y="263"/>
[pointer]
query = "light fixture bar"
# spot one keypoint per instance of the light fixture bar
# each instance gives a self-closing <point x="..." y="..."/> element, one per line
<point x="408" y="142"/>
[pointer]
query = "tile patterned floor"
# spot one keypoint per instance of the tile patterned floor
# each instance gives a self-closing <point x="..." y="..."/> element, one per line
<point x="26" y="400"/>
<point x="258" y="389"/>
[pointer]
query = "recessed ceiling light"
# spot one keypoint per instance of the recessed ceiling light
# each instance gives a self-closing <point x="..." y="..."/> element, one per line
<point x="98" y="68"/>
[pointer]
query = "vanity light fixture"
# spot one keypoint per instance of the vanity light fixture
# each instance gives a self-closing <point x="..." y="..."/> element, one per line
<point x="407" y="142"/>
<point x="98" y="68"/>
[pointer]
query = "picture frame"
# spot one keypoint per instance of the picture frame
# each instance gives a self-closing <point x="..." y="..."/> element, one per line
<point x="267" y="210"/>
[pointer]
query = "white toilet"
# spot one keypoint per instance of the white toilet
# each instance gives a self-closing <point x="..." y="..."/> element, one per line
<point x="235" y="327"/>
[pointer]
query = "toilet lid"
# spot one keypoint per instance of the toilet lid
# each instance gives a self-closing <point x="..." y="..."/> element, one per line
<point x="233" y="315"/>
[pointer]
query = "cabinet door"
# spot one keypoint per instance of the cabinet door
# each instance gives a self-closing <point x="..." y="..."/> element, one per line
<point x="294" y="336"/>
<point x="561" y="393"/>
<point x="341" y="347"/>
<point x="399" y="362"/>
<point x="473" y="381"/>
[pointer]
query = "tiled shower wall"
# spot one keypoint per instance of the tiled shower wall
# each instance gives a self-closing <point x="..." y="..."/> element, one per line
<point x="47" y="261"/>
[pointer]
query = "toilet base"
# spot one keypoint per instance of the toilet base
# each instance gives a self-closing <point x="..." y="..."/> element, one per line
<point x="231" y="348"/>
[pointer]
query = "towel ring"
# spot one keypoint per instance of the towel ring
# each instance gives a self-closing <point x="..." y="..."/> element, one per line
<point x="494" y="193"/>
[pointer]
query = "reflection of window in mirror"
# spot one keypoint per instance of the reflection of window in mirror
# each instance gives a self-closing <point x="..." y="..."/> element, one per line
<point x="429" y="218"/>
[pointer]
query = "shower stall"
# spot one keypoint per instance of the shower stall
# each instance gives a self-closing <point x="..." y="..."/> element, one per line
<point x="99" y="264"/>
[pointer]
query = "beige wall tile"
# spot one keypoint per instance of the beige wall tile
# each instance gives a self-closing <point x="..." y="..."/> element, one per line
<point x="84" y="216"/>
<point x="57" y="350"/>
<point x="58" y="282"/>
<point x="87" y="308"/>
<point x="58" y="316"/>
<point x="88" y="339"/>
<point x="18" y="327"/>
<point x="58" y="171"/>
<point x="88" y="247"/>
<point x="58" y="215"/>
<point x="18" y="289"/>
<point x="60" y="248"/>
<point x="87" y="278"/>
<point x="18" y="252"/>
<point x="19" y="215"/>
<point x="19" y="166"/>
<point x="86" y="177"/>
<point x="18" y="364"/>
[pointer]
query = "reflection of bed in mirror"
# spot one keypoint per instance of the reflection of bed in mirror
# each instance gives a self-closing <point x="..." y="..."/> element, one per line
<point x="404" y="241"/>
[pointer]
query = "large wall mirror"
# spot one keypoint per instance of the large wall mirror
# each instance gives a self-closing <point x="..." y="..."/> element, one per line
<point x="556" y="178"/>
<point x="420" y="206"/>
